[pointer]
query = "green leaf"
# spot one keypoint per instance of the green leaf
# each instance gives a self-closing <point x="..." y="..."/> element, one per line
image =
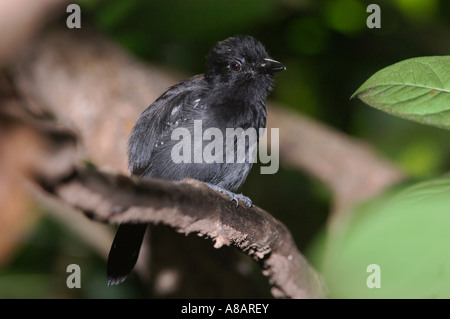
<point x="407" y="234"/>
<point x="417" y="89"/>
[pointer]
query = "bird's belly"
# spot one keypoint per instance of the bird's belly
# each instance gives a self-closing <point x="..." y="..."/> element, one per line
<point x="225" y="171"/>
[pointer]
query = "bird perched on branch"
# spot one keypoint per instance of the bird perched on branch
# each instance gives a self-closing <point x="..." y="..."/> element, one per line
<point x="230" y="94"/>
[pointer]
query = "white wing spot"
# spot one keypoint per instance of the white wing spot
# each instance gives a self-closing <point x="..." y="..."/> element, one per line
<point x="175" y="110"/>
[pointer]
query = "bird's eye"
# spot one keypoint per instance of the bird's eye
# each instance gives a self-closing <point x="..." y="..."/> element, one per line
<point x="235" y="66"/>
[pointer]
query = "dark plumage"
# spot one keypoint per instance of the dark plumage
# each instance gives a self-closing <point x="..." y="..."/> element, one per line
<point x="231" y="94"/>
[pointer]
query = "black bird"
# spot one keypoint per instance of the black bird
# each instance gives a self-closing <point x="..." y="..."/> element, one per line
<point x="231" y="94"/>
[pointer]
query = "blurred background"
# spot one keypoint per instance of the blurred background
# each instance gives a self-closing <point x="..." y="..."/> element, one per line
<point x="328" y="51"/>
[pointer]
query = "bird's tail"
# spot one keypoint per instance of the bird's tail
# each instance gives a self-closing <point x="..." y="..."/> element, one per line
<point x="124" y="252"/>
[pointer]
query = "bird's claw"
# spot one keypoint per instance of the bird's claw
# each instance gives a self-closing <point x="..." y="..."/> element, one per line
<point x="247" y="201"/>
<point x="232" y="196"/>
<point x="236" y="197"/>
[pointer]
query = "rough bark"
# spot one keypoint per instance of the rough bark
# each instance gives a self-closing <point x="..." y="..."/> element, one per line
<point x="188" y="207"/>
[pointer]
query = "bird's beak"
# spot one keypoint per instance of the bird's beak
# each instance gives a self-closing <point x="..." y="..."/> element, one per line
<point x="271" y="66"/>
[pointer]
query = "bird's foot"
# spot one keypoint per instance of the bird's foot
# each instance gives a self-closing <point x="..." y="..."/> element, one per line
<point x="232" y="196"/>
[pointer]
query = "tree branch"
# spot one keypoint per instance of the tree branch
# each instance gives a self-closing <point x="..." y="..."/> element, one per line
<point x="189" y="206"/>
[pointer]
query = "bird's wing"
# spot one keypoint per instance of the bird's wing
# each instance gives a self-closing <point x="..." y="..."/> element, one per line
<point x="158" y="120"/>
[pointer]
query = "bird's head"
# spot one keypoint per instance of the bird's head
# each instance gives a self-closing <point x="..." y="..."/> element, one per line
<point x="240" y="64"/>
